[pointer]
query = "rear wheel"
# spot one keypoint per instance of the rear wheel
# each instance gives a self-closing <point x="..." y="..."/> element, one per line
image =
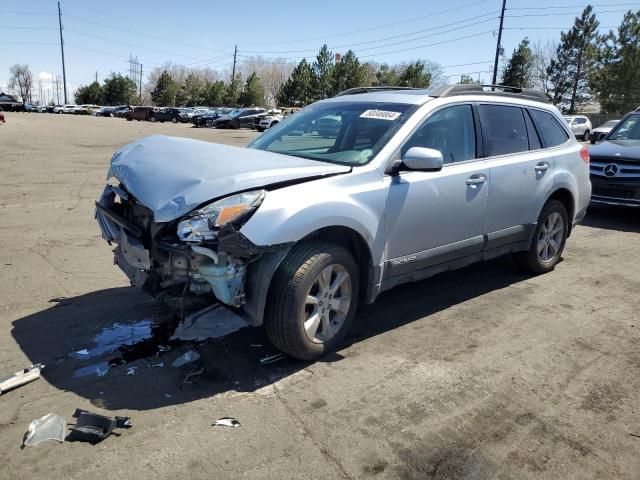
<point x="548" y="240"/>
<point x="312" y="300"/>
<point x="585" y="137"/>
<point x="208" y="123"/>
<point x="174" y="120"/>
<point x="152" y="119"/>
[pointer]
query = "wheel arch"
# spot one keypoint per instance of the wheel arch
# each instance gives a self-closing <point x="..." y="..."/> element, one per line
<point x="564" y="196"/>
<point x="261" y="272"/>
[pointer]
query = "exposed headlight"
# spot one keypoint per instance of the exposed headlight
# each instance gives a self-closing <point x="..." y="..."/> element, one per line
<point x="203" y="224"/>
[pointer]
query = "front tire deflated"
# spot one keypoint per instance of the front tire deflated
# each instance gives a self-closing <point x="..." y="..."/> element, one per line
<point x="312" y="299"/>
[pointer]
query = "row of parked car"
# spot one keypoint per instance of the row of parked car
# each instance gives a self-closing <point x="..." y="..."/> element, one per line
<point x="582" y="128"/>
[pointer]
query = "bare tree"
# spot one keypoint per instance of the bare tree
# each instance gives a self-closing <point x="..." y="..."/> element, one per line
<point x="272" y="73"/>
<point x="21" y="81"/>
<point x="543" y="53"/>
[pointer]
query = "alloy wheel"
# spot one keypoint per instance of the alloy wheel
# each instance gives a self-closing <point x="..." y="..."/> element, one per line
<point x="550" y="237"/>
<point x="327" y="303"/>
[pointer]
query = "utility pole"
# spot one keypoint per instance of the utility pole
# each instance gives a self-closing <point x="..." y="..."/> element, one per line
<point x="64" y="73"/>
<point x="235" y="54"/>
<point x="96" y="76"/>
<point x="140" y="86"/>
<point x="498" y="46"/>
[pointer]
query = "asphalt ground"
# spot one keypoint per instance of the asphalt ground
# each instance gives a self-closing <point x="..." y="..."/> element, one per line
<point x="482" y="373"/>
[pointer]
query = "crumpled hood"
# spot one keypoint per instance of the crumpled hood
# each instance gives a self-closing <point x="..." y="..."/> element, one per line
<point x="174" y="175"/>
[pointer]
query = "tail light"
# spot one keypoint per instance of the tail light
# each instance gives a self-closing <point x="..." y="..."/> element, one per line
<point x="584" y="155"/>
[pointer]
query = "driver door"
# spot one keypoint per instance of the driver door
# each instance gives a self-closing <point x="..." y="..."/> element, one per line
<point x="433" y="217"/>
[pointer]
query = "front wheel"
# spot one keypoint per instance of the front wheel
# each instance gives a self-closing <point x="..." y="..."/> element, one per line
<point x="174" y="120"/>
<point x="548" y="241"/>
<point x="152" y="119"/>
<point x="312" y="300"/>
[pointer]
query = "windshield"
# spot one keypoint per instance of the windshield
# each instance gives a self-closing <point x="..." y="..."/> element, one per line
<point x="350" y="133"/>
<point x="610" y="123"/>
<point x="236" y="113"/>
<point x="629" y="129"/>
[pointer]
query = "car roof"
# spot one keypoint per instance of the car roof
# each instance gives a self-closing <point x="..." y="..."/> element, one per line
<point x="411" y="97"/>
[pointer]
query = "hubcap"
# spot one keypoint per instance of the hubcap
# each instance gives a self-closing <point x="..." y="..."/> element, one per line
<point x="327" y="303"/>
<point x="550" y="237"/>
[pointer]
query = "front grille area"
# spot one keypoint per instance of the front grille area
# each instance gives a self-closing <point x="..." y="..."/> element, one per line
<point x="627" y="169"/>
<point x="613" y="192"/>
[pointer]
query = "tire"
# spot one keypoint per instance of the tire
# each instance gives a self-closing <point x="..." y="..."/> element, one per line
<point x="208" y="123"/>
<point x="152" y="119"/>
<point x="129" y="119"/>
<point x="299" y="279"/>
<point x="111" y="115"/>
<point x="174" y="120"/>
<point x="592" y="139"/>
<point x="260" y="129"/>
<point x="533" y="260"/>
<point x="585" y="137"/>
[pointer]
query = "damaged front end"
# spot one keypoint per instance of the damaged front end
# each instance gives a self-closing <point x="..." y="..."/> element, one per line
<point x="191" y="262"/>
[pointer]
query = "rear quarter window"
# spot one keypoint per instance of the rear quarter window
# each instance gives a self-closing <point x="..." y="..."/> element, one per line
<point x="552" y="132"/>
<point x="503" y="129"/>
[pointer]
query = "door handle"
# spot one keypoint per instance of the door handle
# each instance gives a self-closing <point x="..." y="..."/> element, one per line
<point x="477" y="179"/>
<point x="542" y="167"/>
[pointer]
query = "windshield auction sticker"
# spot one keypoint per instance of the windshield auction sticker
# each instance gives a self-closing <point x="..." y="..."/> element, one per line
<point x="380" y="114"/>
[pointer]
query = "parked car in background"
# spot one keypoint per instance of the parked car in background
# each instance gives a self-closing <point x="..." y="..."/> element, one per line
<point x="600" y="132"/>
<point x="60" y="108"/>
<point x="242" y="117"/>
<point x="208" y="119"/>
<point x="140" y="113"/>
<point x="272" y="118"/>
<point x="580" y="126"/>
<point x="615" y="165"/>
<point x="166" y="115"/>
<point x="190" y="112"/>
<point x="296" y="230"/>
<point x="87" y="109"/>
<point x="69" y="108"/>
<point x="2" y="119"/>
<point x="106" y="112"/>
<point x="120" y="112"/>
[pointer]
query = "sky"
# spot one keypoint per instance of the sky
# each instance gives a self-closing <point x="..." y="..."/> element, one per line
<point x="460" y="35"/>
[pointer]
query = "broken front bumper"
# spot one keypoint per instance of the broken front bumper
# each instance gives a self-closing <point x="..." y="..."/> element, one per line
<point x="159" y="266"/>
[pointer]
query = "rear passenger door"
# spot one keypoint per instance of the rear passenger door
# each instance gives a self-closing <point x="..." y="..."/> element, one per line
<point x="520" y="173"/>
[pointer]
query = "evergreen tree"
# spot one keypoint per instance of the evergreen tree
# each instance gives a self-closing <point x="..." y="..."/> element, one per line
<point x="214" y="93"/>
<point x="233" y="92"/>
<point x="298" y="89"/>
<point x="347" y="74"/>
<point x="191" y="92"/>
<point x="574" y="62"/>
<point x="253" y="93"/>
<point x="387" y="76"/>
<point x="322" y="70"/>
<point x="89" y="94"/>
<point x="414" y="75"/>
<point x="165" y="92"/>
<point x="617" y="82"/>
<point x="518" y="72"/>
<point x="466" y="79"/>
<point x="118" y="90"/>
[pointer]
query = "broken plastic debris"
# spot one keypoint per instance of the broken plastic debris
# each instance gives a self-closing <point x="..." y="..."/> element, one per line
<point x="23" y="377"/>
<point x="99" y="369"/>
<point x="94" y="428"/>
<point x="193" y="373"/>
<point x="272" y="358"/>
<point x="212" y="322"/>
<point x="188" y="357"/>
<point x="131" y="370"/>
<point x="49" y="427"/>
<point x="226" y="422"/>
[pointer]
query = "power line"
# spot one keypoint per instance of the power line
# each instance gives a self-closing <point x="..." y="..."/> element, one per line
<point x="555" y="7"/>
<point x="15" y="27"/>
<point x="140" y="33"/>
<point x="414" y="19"/>
<point x="559" y="14"/>
<point x="334" y="47"/>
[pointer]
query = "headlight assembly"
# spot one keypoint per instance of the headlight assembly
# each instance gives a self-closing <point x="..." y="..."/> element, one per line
<point x="204" y="223"/>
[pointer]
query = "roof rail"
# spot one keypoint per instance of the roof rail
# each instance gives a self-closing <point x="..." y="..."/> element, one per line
<point x="478" y="89"/>
<point x="354" y="91"/>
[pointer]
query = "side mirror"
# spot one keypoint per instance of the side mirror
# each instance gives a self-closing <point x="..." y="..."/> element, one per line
<point x="423" y="159"/>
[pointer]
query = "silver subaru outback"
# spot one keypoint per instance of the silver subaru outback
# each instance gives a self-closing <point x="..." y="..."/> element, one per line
<point x="349" y="197"/>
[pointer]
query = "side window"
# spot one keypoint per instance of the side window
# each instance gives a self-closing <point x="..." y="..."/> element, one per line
<point x="534" y="140"/>
<point x="451" y="131"/>
<point x="503" y="130"/>
<point x="552" y="132"/>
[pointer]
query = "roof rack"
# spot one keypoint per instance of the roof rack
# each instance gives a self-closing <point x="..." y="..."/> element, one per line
<point x="478" y="89"/>
<point x="357" y="90"/>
